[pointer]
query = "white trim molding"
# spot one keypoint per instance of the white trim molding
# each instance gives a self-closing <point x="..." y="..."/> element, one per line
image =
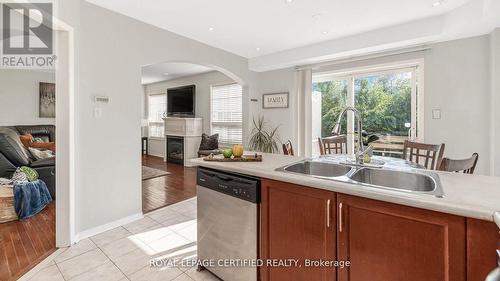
<point x="108" y="226"/>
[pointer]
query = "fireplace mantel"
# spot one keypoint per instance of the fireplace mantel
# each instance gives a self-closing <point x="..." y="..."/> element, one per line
<point x="190" y="130"/>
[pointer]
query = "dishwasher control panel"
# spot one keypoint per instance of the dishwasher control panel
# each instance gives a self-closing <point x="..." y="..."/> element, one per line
<point x="240" y="186"/>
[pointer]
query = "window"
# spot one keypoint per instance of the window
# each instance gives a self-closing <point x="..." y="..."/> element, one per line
<point x="157" y="108"/>
<point x="387" y="99"/>
<point x="226" y="113"/>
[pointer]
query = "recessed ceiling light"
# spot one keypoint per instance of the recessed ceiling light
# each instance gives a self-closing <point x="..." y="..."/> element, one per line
<point x="211" y="28"/>
<point x="288" y="1"/>
<point x="166" y="74"/>
<point x="324" y="32"/>
<point x="437" y="3"/>
<point x="317" y="17"/>
<point x="257" y="49"/>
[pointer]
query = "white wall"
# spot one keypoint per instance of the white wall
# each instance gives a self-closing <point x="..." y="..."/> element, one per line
<point x="457" y="81"/>
<point x="19" y="96"/>
<point x="109" y="52"/>
<point x="203" y="83"/>
<point x="277" y="81"/>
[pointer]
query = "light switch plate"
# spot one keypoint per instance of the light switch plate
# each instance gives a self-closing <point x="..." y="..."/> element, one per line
<point x="436" y="114"/>
<point x="97" y="112"/>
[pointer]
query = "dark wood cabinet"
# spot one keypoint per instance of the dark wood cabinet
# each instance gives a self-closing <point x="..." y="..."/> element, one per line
<point x="297" y="223"/>
<point x="382" y="241"/>
<point x="389" y="242"/>
<point x="482" y="241"/>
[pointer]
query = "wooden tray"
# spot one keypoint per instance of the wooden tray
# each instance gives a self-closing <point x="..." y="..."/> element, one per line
<point x="244" y="158"/>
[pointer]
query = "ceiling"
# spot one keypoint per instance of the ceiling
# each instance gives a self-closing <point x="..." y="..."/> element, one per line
<point x="169" y="71"/>
<point x="260" y="27"/>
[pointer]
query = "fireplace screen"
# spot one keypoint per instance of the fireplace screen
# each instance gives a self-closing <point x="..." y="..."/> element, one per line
<point x="175" y="150"/>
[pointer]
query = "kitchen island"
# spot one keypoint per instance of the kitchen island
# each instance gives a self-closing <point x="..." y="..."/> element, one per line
<point x="472" y="196"/>
<point x="384" y="234"/>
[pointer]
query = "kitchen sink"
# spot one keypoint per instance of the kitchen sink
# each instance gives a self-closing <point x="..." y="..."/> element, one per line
<point x="319" y="169"/>
<point x="411" y="181"/>
<point x="399" y="180"/>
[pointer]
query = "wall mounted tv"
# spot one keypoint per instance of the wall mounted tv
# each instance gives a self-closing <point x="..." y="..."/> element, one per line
<point x="181" y="101"/>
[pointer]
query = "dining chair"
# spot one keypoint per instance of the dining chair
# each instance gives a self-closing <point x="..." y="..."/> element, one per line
<point x="467" y="166"/>
<point x="333" y="145"/>
<point x="430" y="154"/>
<point x="288" y="148"/>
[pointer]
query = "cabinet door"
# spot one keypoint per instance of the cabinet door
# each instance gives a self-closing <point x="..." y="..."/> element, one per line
<point x="390" y="242"/>
<point x="297" y="223"/>
<point x="482" y="243"/>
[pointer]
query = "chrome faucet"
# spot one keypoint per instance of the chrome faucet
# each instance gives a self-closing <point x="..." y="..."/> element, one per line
<point x="360" y="154"/>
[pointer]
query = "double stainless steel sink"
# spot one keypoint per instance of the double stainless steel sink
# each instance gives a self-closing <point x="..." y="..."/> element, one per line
<point x="412" y="181"/>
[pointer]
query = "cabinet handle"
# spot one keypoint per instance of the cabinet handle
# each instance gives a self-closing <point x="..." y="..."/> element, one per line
<point x="340" y="217"/>
<point x="328" y="213"/>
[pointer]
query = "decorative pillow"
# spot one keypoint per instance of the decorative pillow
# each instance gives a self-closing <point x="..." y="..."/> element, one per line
<point x="19" y="177"/>
<point x="31" y="174"/>
<point x="4" y="181"/>
<point x="41" y="154"/>
<point x="209" y="142"/>
<point x="26" y="139"/>
<point x="38" y="140"/>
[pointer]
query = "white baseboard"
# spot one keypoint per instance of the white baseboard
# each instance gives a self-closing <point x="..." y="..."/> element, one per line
<point x="108" y="226"/>
<point x="157" y="155"/>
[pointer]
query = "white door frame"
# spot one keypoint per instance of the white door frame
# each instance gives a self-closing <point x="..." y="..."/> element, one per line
<point x="65" y="132"/>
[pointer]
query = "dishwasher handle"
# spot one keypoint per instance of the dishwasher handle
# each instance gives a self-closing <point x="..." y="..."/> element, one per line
<point x="203" y="174"/>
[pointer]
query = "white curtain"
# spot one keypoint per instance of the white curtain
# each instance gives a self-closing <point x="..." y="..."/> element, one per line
<point x="303" y="87"/>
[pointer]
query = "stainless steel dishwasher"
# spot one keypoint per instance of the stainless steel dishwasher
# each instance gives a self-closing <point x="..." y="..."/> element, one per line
<point x="228" y="224"/>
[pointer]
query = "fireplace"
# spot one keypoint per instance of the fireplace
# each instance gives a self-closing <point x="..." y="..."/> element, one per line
<point x="183" y="137"/>
<point x="175" y="150"/>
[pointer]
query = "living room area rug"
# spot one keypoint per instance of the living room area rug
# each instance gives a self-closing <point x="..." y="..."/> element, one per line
<point x="149" y="173"/>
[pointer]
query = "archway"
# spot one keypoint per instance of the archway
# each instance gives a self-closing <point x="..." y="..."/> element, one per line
<point x="186" y="94"/>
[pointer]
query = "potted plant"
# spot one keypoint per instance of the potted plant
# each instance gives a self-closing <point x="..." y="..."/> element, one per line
<point x="263" y="139"/>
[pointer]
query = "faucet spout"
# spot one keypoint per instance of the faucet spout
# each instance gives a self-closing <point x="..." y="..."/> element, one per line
<point x="338" y="127"/>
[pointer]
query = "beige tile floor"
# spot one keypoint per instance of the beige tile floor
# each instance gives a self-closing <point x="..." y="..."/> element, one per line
<point x="124" y="253"/>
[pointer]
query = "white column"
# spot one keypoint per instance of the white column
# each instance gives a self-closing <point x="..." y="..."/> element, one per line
<point x="303" y="80"/>
<point x="495" y="102"/>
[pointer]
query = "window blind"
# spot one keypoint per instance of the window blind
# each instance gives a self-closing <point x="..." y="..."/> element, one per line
<point x="157" y="108"/>
<point x="227" y="113"/>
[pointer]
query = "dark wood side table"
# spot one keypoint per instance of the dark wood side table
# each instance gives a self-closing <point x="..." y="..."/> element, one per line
<point x="145" y="145"/>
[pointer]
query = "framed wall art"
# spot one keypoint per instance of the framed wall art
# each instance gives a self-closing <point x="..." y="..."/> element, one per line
<point x="47" y="101"/>
<point x="275" y="100"/>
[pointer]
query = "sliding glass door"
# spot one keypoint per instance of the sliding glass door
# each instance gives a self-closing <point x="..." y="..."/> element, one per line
<point x="387" y="100"/>
<point x="329" y="98"/>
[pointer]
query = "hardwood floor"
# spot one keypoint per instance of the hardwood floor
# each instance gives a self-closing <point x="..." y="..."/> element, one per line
<point x="166" y="190"/>
<point x="23" y="244"/>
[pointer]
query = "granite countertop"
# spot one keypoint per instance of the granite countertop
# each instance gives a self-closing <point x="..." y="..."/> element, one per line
<point x="473" y="196"/>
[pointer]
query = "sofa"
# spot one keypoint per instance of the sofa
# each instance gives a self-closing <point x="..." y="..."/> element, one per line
<point x="14" y="154"/>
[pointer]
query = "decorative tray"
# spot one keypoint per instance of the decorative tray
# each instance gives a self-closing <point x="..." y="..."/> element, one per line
<point x="244" y="158"/>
